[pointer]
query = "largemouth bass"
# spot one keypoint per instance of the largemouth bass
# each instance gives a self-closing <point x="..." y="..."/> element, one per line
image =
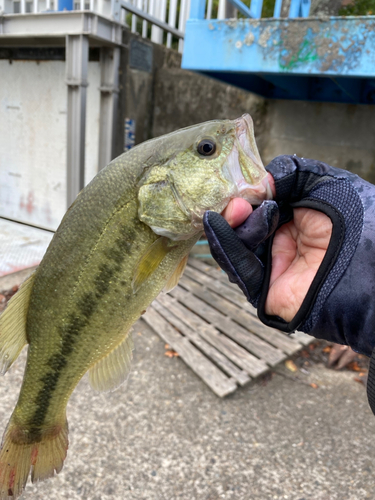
<point x="125" y="238"/>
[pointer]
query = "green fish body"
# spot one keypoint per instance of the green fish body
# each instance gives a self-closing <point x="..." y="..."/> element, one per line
<point x="125" y="238"/>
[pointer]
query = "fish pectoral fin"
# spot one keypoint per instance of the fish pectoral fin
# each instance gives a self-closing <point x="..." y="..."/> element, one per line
<point x="13" y="325"/>
<point x="175" y="278"/>
<point x="150" y="261"/>
<point x="112" y="370"/>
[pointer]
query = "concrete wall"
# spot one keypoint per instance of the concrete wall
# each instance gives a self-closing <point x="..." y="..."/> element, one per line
<point x="166" y="98"/>
<point x="33" y="137"/>
<point x="341" y="135"/>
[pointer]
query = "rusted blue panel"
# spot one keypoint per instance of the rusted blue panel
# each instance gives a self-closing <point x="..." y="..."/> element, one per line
<point x="338" y="52"/>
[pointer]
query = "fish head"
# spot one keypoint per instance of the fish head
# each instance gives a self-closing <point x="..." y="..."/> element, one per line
<point x="200" y="168"/>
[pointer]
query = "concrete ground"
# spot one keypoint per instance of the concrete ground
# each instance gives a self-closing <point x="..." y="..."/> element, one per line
<point x="167" y="436"/>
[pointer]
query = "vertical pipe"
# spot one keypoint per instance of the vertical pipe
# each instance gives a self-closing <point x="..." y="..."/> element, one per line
<point x="159" y="10"/>
<point x="182" y="22"/>
<point x="209" y="9"/>
<point x="305" y="8"/>
<point x="138" y="4"/>
<point x="197" y="9"/>
<point x="134" y="23"/>
<point x="77" y="56"/>
<point x="277" y="9"/>
<point x="294" y="8"/>
<point x="144" y="23"/>
<point x="134" y="19"/>
<point x="221" y="9"/>
<point x="256" y="9"/>
<point x="35" y="7"/>
<point x="23" y="6"/>
<point x="171" y="20"/>
<point x="109" y="90"/>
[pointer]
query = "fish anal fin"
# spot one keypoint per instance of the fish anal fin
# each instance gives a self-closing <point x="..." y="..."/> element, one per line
<point x="13" y="325"/>
<point x="175" y="278"/>
<point x="112" y="370"/>
<point x="150" y="261"/>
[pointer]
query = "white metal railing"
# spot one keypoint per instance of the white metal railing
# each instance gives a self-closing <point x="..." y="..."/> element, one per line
<point x="223" y="9"/>
<point x="158" y="19"/>
<point x="163" y="21"/>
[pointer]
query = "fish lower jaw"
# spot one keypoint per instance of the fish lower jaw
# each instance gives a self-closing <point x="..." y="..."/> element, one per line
<point x="254" y="194"/>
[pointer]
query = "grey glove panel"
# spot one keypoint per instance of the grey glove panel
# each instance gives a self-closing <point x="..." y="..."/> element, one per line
<point x="341" y="195"/>
<point x="298" y="174"/>
<point x="348" y="316"/>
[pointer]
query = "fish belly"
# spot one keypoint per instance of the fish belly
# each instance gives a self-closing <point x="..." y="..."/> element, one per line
<point x="77" y="315"/>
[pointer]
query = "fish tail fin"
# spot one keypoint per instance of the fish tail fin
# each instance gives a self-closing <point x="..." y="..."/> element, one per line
<point x="23" y="450"/>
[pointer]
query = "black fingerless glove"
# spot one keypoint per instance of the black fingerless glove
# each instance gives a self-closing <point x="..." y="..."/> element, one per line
<point x="340" y="303"/>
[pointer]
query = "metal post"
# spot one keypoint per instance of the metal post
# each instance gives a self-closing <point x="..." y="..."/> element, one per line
<point x="230" y="11"/>
<point x="184" y="13"/>
<point x="295" y="7"/>
<point x="77" y="56"/>
<point x="109" y="63"/>
<point x="221" y="9"/>
<point x="198" y="8"/>
<point x="277" y="8"/>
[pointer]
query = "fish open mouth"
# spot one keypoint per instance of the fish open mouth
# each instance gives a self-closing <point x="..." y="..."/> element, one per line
<point x="245" y="164"/>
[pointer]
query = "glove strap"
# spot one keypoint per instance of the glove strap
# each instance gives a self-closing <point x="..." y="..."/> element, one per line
<point x="337" y="238"/>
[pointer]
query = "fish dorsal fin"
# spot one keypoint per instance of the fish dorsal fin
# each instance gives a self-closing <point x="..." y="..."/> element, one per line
<point x="13" y="325"/>
<point x="149" y="261"/>
<point x="112" y="370"/>
<point x="175" y="278"/>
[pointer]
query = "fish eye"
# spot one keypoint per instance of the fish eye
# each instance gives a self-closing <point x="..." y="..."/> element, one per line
<point x="206" y="147"/>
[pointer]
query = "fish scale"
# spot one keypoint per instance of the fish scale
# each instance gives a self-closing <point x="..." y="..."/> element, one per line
<point x="124" y="239"/>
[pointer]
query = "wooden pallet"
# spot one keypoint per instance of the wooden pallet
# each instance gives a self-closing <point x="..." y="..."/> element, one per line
<point x="213" y="328"/>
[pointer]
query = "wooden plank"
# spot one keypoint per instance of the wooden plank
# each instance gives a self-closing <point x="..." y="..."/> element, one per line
<point x="207" y="269"/>
<point x="209" y="373"/>
<point x="222" y="361"/>
<point x="253" y="344"/>
<point x="252" y="365"/>
<point x="227" y="290"/>
<point x="273" y="337"/>
<point x="218" y="282"/>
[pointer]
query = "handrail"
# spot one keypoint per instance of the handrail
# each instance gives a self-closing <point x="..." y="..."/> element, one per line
<point x="202" y="9"/>
<point x="151" y="19"/>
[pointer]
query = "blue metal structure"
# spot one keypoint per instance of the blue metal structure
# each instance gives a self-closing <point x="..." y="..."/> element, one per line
<point x="319" y="59"/>
<point x="65" y="5"/>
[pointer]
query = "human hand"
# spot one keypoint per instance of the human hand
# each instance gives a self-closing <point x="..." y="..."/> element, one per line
<point x="297" y="252"/>
<point x="300" y="270"/>
<point x="311" y="269"/>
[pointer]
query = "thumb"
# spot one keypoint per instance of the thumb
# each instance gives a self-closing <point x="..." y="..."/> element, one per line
<point x="259" y="225"/>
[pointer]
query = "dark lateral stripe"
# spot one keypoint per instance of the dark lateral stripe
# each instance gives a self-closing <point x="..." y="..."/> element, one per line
<point x="86" y="306"/>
